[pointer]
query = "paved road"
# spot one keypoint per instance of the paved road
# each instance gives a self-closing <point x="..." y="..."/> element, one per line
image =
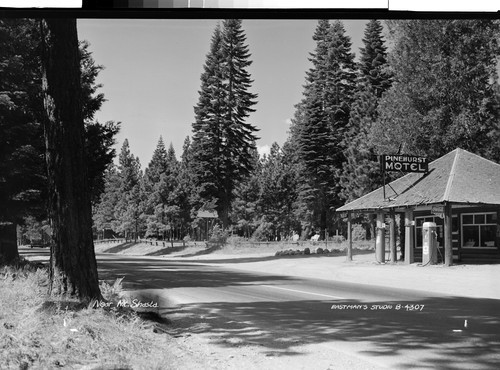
<point x="390" y="327"/>
<point x="396" y="328"/>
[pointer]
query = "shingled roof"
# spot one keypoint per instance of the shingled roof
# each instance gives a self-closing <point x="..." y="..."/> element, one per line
<point x="457" y="177"/>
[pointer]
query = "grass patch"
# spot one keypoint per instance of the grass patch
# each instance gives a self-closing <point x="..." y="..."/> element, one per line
<point x="42" y="333"/>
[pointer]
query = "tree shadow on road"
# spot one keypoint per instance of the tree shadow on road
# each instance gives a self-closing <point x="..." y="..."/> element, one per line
<point x="120" y="247"/>
<point x="397" y="334"/>
<point x="159" y="274"/>
<point x="167" y="250"/>
<point x="279" y="327"/>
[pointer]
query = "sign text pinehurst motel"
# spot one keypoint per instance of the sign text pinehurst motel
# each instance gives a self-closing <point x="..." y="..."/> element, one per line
<point x="404" y="163"/>
<point x="454" y="200"/>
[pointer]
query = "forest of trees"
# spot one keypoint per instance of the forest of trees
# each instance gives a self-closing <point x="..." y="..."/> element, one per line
<point x="430" y="87"/>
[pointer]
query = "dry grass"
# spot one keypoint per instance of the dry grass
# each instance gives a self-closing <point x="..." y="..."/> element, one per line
<point x="39" y="333"/>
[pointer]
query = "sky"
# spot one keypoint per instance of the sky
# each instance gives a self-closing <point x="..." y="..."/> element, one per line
<point x="151" y="78"/>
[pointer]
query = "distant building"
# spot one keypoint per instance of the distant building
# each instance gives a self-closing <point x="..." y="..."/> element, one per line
<point x="207" y="219"/>
<point x="460" y="193"/>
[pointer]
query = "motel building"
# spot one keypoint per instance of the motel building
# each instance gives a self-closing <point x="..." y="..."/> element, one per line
<point x="451" y="204"/>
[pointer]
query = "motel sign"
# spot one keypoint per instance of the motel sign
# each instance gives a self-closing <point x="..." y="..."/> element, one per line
<point x="404" y="163"/>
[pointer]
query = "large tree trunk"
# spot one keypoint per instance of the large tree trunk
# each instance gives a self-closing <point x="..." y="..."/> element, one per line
<point x="73" y="267"/>
<point x="8" y="243"/>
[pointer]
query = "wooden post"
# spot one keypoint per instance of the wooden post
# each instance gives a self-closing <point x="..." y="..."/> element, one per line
<point x="448" y="240"/>
<point x="349" y="236"/>
<point x="409" y="237"/>
<point x="380" y="241"/>
<point x="392" y="236"/>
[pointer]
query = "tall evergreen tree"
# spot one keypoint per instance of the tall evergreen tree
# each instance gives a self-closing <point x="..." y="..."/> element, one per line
<point x="104" y="212"/>
<point x="185" y="189"/>
<point x="324" y="115"/>
<point x="158" y="164"/>
<point x="73" y="267"/>
<point x="164" y="199"/>
<point x="22" y="169"/>
<point x="222" y="140"/>
<point x="22" y="165"/>
<point x="167" y="209"/>
<point x="100" y="152"/>
<point x="361" y="171"/>
<point x="129" y="207"/>
<point x="278" y="193"/>
<point x="373" y="58"/>
<point x="245" y="209"/>
<point x="152" y="175"/>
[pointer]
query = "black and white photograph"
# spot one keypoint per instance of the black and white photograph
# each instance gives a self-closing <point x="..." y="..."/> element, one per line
<point x="203" y="185"/>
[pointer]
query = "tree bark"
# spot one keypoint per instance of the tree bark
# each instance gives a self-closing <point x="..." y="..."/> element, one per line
<point x="8" y="243"/>
<point x="73" y="267"/>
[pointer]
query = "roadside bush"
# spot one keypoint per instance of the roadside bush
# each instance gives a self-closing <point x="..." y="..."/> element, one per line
<point x="358" y="232"/>
<point x="263" y="233"/>
<point x="319" y="250"/>
<point x="307" y="251"/>
<point x="218" y="236"/>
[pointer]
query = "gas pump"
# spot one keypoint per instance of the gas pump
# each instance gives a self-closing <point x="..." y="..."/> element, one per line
<point x="429" y="244"/>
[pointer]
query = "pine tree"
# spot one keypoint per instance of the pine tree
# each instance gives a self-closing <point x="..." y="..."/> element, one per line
<point x="99" y="143"/>
<point x="324" y="114"/>
<point x="245" y="208"/>
<point x="129" y="207"/>
<point x="73" y="267"/>
<point x="22" y="168"/>
<point x="23" y="182"/>
<point x="278" y="193"/>
<point x="361" y="171"/>
<point x="373" y="58"/>
<point x="167" y="188"/>
<point x="158" y="164"/>
<point x="163" y="197"/>
<point x="104" y="213"/>
<point x="152" y="175"/>
<point x="185" y="189"/>
<point x="222" y="140"/>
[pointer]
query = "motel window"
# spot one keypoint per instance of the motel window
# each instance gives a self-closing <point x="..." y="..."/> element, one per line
<point x="479" y="230"/>
<point x="419" y="222"/>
